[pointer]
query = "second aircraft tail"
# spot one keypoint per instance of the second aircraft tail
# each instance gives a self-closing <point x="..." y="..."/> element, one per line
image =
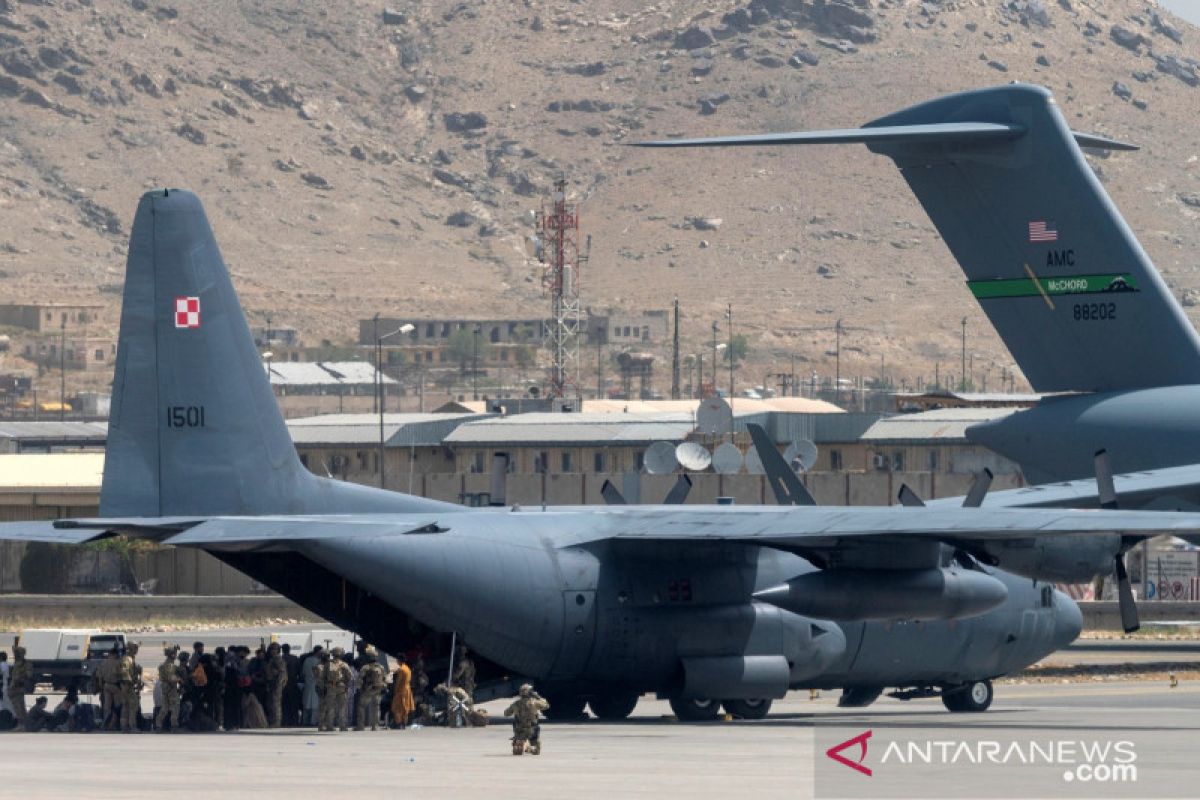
<point x="1045" y="252"/>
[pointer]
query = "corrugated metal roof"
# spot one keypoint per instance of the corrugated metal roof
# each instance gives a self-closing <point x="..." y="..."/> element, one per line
<point x="28" y="431"/>
<point x="942" y="425"/>
<point x="574" y="429"/>
<point x="741" y="405"/>
<point x="399" y="430"/>
<point x="51" y="471"/>
<point x="324" y="373"/>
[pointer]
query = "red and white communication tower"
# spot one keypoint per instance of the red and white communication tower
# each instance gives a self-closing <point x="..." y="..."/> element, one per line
<point x="559" y="228"/>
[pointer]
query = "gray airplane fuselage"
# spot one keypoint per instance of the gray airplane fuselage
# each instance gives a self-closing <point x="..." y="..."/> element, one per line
<point x="595" y="615"/>
<point x="1140" y="428"/>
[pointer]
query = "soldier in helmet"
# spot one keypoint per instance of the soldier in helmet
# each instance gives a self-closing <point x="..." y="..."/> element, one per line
<point x="18" y="682"/>
<point x="524" y="712"/>
<point x="129" y="678"/>
<point x="109" y="689"/>
<point x="335" y="677"/>
<point x="276" y="672"/>
<point x="373" y="679"/>
<point x="464" y="673"/>
<point x="171" y="680"/>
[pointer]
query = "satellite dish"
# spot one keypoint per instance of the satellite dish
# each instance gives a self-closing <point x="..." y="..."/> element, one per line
<point x="754" y="464"/>
<point x="727" y="459"/>
<point x="693" y="456"/>
<point x="714" y="416"/>
<point x="806" y="454"/>
<point x="660" y="458"/>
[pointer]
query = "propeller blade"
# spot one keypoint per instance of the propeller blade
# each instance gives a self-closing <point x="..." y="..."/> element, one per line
<point x="679" y="491"/>
<point x="1106" y="490"/>
<point x="788" y="489"/>
<point x="979" y="489"/>
<point x="612" y="495"/>
<point x="909" y="498"/>
<point x="1125" y="601"/>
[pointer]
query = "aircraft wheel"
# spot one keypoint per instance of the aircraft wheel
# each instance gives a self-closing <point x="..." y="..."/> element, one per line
<point x="565" y="708"/>
<point x="748" y="709"/>
<point x="694" y="710"/>
<point x="972" y="698"/>
<point x="614" y="706"/>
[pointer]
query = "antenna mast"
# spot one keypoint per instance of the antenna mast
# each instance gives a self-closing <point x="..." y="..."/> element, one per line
<point x="562" y="261"/>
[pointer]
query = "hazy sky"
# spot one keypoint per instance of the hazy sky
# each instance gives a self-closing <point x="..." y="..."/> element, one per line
<point x="1187" y="9"/>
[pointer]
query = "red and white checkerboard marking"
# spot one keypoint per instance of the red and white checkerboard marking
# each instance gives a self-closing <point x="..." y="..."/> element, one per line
<point x="187" y="312"/>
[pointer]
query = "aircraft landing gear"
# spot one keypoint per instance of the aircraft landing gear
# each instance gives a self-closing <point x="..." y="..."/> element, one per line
<point x="747" y="709"/>
<point x="971" y="697"/>
<point x="695" y="710"/>
<point x="565" y="707"/>
<point x="860" y="696"/>
<point x="613" y="706"/>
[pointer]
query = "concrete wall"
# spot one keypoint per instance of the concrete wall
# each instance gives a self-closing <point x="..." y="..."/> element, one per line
<point x="24" y="610"/>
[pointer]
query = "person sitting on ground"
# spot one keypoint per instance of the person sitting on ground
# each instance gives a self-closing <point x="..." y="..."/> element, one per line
<point x="38" y="718"/>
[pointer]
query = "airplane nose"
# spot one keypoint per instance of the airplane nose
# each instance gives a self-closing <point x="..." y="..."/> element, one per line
<point x="1068" y="619"/>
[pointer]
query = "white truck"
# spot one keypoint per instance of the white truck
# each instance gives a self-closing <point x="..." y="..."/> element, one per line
<point x="303" y="641"/>
<point x="67" y="657"/>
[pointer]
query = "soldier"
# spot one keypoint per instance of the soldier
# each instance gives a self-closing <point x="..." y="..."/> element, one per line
<point x="464" y="672"/>
<point x="276" y="671"/>
<point x="373" y="679"/>
<point x="459" y="706"/>
<point x="421" y="693"/>
<point x="336" y="677"/>
<point x="526" y="730"/>
<point x="18" y="682"/>
<point x="322" y="699"/>
<point x="129" y="678"/>
<point x="108" y="688"/>
<point x="38" y="718"/>
<point x="171" y="681"/>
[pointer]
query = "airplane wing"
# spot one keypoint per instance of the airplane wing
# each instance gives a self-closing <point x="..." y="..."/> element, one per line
<point x="1167" y="489"/>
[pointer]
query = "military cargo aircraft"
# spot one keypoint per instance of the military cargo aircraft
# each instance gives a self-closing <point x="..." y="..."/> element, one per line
<point x="705" y="605"/>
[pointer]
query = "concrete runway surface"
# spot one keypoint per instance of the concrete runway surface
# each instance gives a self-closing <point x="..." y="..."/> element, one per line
<point x="647" y="756"/>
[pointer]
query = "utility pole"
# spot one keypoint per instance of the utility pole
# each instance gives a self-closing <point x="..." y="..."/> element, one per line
<point x="375" y="398"/>
<point x="729" y="320"/>
<point x="62" y="373"/>
<point x="837" y="361"/>
<point x="599" y="368"/>
<point x="675" y="356"/>
<point x="963" y="384"/>
<point x="475" y="362"/>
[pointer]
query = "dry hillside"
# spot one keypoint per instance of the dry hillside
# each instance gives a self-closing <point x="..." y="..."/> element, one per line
<point x="335" y="146"/>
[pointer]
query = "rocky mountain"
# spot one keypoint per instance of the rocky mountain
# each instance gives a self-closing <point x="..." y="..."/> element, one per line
<point x="356" y="158"/>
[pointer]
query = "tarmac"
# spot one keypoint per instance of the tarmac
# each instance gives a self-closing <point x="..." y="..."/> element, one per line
<point x="648" y="756"/>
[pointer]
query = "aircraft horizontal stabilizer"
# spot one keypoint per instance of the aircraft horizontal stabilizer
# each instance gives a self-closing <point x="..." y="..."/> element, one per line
<point x="219" y="532"/>
<point x="914" y="134"/>
<point x="939" y="133"/>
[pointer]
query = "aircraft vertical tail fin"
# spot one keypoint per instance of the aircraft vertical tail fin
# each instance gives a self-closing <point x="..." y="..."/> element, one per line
<point x="1045" y="252"/>
<point x="194" y="427"/>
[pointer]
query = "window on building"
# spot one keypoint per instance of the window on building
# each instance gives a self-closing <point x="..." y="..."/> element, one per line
<point x="477" y="462"/>
<point x="639" y="460"/>
<point x="49" y="316"/>
<point x="361" y="455"/>
<point x="504" y="355"/>
<point x="646" y="333"/>
<point x="835" y="460"/>
<point x="898" y="461"/>
<point x="566" y="463"/>
<point x="541" y="462"/>
<point x="494" y="335"/>
<point x="445" y="330"/>
<point x="598" y="461"/>
<point x="429" y="329"/>
<point x="99" y="354"/>
<point x="933" y="460"/>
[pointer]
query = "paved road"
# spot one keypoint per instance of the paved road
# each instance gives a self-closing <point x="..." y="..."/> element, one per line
<point x="648" y="756"/>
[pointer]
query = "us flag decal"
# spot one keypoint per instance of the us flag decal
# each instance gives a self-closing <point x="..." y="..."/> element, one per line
<point x="1043" y="231"/>
<point x="187" y="312"/>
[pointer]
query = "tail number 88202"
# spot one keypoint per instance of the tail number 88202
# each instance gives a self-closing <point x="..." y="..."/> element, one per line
<point x="1095" y="312"/>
